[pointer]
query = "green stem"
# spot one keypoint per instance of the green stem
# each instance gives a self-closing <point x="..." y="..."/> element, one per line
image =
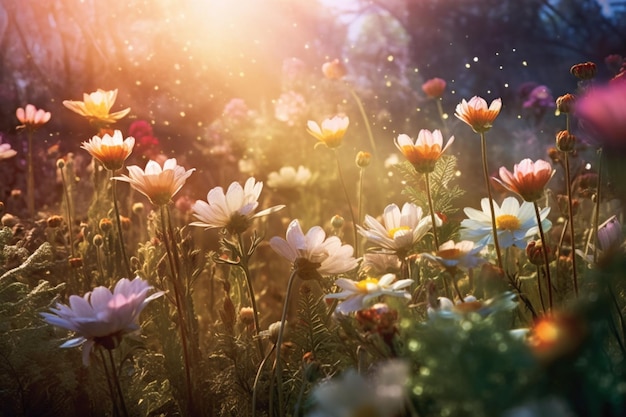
<point x="120" y="236"/>
<point x="359" y="104"/>
<point x="432" y="210"/>
<point x="360" y="209"/>
<point x="109" y="383"/>
<point x="570" y="214"/>
<point x="116" y="379"/>
<point x="279" y="342"/>
<point x="596" y="217"/>
<point x="257" y="377"/>
<point x="483" y="147"/>
<point x="68" y="209"/>
<point x="546" y="260"/>
<point x="345" y="191"/>
<point x="444" y="127"/>
<point x="179" y="309"/>
<point x="540" y="290"/>
<point x="243" y="263"/>
<point x="30" y="180"/>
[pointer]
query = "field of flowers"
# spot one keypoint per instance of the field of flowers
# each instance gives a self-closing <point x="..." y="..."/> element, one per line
<point x="344" y="282"/>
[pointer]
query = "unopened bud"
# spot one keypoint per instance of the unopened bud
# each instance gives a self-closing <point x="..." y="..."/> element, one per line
<point x="54" y="221"/>
<point x="337" y="222"/>
<point x="60" y="163"/>
<point x="565" y="103"/>
<point x="334" y="70"/>
<point x="584" y="71"/>
<point x="363" y="159"/>
<point x="565" y="141"/>
<point x="246" y="315"/>
<point x="98" y="240"/>
<point x="105" y="225"/>
<point x="434" y="87"/>
<point x="138" y="208"/>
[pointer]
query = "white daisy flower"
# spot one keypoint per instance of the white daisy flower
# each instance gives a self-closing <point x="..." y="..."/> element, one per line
<point x="464" y="254"/>
<point x="288" y="178"/>
<point x="233" y="210"/>
<point x="358" y="294"/>
<point x="516" y="224"/>
<point x="314" y="254"/>
<point x="400" y="230"/>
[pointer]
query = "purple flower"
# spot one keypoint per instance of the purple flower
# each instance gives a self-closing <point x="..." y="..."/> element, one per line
<point x="101" y="317"/>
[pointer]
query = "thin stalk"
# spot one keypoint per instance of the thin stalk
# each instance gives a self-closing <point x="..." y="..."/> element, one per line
<point x="120" y="236"/>
<point x="30" y="180"/>
<point x="539" y="289"/>
<point x="116" y="379"/>
<point x="109" y="383"/>
<point x="279" y="342"/>
<point x="444" y="127"/>
<point x="596" y="217"/>
<point x="296" y="408"/>
<point x="544" y="249"/>
<point x="345" y="191"/>
<point x="359" y="104"/>
<point x="243" y="263"/>
<point x="360" y="208"/>
<point x="570" y="214"/>
<point x="68" y="209"/>
<point x="179" y="308"/>
<point x="456" y="287"/>
<point x="257" y="377"/>
<point x="432" y="210"/>
<point x="483" y="147"/>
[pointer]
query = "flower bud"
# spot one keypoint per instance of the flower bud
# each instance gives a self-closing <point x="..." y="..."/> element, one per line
<point x="584" y="71"/>
<point x="98" y="240"/>
<point x="534" y="253"/>
<point x="565" y="103"/>
<point x="337" y="222"/>
<point x="125" y="222"/>
<point x="138" y="208"/>
<point x="76" y="262"/>
<point x="105" y="225"/>
<point x="246" y="315"/>
<point x="363" y="159"/>
<point x="434" y="87"/>
<point x="54" y="221"/>
<point x="334" y="70"/>
<point x="60" y="163"/>
<point x="565" y="141"/>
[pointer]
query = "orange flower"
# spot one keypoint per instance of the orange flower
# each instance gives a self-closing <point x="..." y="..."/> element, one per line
<point x="334" y="70"/>
<point x="331" y="132"/>
<point x="96" y="107"/>
<point x="476" y="114"/>
<point x="528" y="178"/>
<point x="156" y="183"/>
<point x="112" y="151"/>
<point x="434" y="87"/>
<point x="426" y="150"/>
<point x="31" y="117"/>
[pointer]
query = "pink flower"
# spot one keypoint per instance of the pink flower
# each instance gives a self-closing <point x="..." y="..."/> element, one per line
<point x="528" y="178"/>
<point x="601" y="112"/>
<point x="102" y="317"/>
<point x="6" y="151"/>
<point x="434" y="87"/>
<point x="31" y="117"/>
<point x="476" y="114"/>
<point x="157" y="183"/>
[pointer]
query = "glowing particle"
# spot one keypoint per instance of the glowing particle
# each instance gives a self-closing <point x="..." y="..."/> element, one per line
<point x="390" y="58"/>
<point x="475" y="59"/>
<point x="587" y="166"/>
<point x="137" y="82"/>
<point x="388" y="84"/>
<point x="467" y="65"/>
<point x="524" y="63"/>
<point x="182" y="114"/>
<point x="444" y="116"/>
<point x="156" y="87"/>
<point x="242" y="74"/>
<point x="506" y="85"/>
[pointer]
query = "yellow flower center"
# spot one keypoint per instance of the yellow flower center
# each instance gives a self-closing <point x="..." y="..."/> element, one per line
<point x="392" y="232"/>
<point x="362" y="285"/>
<point x="508" y="222"/>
